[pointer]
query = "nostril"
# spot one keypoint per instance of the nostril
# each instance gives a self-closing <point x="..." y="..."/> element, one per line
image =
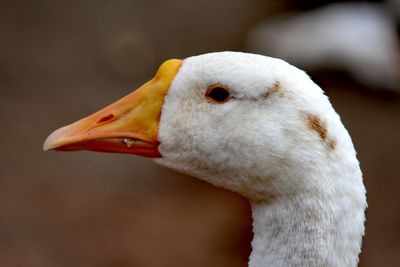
<point x="106" y="118"/>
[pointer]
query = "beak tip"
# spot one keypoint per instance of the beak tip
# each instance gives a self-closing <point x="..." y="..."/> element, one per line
<point x="50" y="143"/>
<point x="47" y="145"/>
<point x="55" y="139"/>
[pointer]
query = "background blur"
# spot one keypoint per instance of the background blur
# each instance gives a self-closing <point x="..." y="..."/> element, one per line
<point x="62" y="60"/>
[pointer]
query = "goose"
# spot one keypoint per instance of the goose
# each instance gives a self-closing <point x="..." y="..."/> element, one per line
<point x="257" y="126"/>
<point x="359" y="38"/>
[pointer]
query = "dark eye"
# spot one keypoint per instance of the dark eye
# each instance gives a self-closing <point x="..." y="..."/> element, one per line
<point x="218" y="93"/>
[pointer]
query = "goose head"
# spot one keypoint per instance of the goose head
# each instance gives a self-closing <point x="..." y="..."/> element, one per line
<point x="248" y="123"/>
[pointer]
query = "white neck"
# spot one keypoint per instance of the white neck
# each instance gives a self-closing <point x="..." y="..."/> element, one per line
<point x="310" y="228"/>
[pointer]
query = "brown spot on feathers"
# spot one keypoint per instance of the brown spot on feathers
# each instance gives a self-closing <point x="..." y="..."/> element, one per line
<point x="316" y="124"/>
<point x="275" y="88"/>
<point x="331" y="143"/>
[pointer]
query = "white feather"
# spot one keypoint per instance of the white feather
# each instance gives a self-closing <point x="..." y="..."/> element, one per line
<point x="307" y="198"/>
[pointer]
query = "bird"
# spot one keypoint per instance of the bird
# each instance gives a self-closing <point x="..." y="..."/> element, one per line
<point x="343" y="37"/>
<point x="255" y="125"/>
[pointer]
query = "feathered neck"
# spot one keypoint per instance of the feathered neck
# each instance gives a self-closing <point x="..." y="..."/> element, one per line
<point x="321" y="227"/>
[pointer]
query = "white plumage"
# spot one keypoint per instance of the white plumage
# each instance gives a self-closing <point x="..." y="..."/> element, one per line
<point x="307" y="198"/>
<point x="275" y="140"/>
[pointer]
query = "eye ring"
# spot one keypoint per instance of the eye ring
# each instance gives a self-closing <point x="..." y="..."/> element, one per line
<point x="218" y="93"/>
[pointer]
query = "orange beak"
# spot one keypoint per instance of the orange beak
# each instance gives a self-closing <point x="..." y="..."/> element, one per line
<point x="129" y="125"/>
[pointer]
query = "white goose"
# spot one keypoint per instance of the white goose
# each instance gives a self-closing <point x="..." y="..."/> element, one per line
<point x="257" y="126"/>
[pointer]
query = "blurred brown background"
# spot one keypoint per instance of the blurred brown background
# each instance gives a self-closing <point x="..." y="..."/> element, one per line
<point x="62" y="60"/>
